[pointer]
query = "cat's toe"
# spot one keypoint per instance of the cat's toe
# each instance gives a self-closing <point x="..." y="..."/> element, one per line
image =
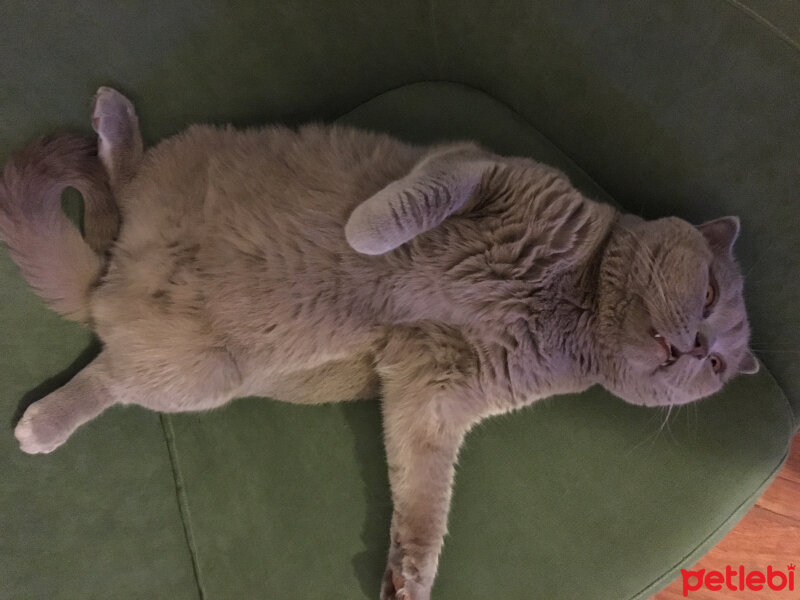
<point x="36" y="433"/>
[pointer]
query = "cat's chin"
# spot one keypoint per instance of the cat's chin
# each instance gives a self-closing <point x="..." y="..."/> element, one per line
<point x="660" y="394"/>
<point x="661" y="402"/>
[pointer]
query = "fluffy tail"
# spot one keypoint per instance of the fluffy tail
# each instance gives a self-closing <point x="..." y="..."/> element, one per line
<point x="58" y="263"/>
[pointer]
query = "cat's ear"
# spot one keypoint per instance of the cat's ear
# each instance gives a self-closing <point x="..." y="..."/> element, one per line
<point x="721" y="233"/>
<point x="437" y="187"/>
<point x="748" y="364"/>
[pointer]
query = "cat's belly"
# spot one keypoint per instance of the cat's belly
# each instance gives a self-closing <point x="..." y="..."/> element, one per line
<point x="350" y="378"/>
<point x="191" y="328"/>
<point x="274" y="336"/>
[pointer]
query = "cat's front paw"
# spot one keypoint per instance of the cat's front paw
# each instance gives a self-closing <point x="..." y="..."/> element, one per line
<point x="39" y="431"/>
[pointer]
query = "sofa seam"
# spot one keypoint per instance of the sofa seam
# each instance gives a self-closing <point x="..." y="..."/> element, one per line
<point x="500" y="101"/>
<point x="435" y="37"/>
<point x="657" y="583"/>
<point x="182" y="500"/>
<point x="764" y="22"/>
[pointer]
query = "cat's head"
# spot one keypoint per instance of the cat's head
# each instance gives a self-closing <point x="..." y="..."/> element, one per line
<point x="674" y="327"/>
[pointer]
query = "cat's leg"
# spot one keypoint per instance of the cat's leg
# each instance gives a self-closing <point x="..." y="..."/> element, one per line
<point x="421" y="452"/>
<point x="161" y="378"/>
<point x="120" y="144"/>
<point x="428" y="407"/>
<point x="443" y="183"/>
<point x="47" y="423"/>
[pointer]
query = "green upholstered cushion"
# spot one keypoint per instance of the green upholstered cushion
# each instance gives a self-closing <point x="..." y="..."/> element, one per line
<point x="683" y="108"/>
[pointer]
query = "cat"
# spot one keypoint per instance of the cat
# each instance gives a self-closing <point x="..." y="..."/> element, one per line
<point x="325" y="264"/>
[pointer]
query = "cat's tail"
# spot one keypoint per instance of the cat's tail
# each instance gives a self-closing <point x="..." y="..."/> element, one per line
<point x="54" y="258"/>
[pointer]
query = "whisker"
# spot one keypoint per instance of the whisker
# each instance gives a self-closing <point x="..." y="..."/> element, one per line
<point x="666" y="418"/>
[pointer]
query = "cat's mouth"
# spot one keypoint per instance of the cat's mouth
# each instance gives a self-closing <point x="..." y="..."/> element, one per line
<point x="671" y="354"/>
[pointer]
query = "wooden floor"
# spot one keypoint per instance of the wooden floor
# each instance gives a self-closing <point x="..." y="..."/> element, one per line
<point x="768" y="535"/>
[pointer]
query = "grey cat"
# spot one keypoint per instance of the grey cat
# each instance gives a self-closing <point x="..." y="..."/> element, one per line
<point x="327" y="264"/>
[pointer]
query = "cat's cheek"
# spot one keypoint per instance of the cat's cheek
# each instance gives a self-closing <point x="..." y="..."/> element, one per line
<point x="641" y="358"/>
<point x="704" y="379"/>
<point x="692" y="381"/>
<point x="708" y="383"/>
<point x="638" y="349"/>
<point x="630" y="386"/>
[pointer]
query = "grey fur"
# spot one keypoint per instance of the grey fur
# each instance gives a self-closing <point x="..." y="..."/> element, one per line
<point x="327" y="263"/>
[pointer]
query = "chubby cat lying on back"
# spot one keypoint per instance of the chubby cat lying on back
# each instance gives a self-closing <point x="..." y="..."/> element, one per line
<point x="327" y="264"/>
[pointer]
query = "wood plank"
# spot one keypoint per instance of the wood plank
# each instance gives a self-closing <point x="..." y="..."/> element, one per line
<point x="782" y="498"/>
<point x="761" y="539"/>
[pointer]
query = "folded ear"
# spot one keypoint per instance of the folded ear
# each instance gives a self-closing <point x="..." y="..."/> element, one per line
<point x="748" y="364"/>
<point x="721" y="233"/>
<point x="438" y="186"/>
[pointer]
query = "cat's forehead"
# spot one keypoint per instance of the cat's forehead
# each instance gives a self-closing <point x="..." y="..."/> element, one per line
<point x="681" y="254"/>
<point x="727" y="276"/>
<point x="729" y="316"/>
<point x="679" y="235"/>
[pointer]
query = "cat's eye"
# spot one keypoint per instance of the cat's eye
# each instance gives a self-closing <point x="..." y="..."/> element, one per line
<point x="717" y="364"/>
<point x="710" y="295"/>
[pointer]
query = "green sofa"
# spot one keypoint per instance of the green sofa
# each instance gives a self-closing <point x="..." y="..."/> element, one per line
<point x="668" y="107"/>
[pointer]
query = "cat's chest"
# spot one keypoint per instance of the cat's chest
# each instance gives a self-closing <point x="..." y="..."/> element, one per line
<point x="538" y="353"/>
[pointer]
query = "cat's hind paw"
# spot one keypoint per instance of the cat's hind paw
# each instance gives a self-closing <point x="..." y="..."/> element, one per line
<point x="113" y="116"/>
<point x="38" y="432"/>
<point x="117" y="126"/>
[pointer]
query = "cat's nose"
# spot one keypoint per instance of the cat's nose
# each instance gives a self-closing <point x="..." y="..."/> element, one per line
<point x="700" y="349"/>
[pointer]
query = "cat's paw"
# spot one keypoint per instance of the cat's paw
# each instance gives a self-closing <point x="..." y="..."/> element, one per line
<point x="397" y="587"/>
<point x="402" y="581"/>
<point x="115" y="121"/>
<point x="393" y="586"/>
<point x="112" y="115"/>
<point x="39" y="431"/>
